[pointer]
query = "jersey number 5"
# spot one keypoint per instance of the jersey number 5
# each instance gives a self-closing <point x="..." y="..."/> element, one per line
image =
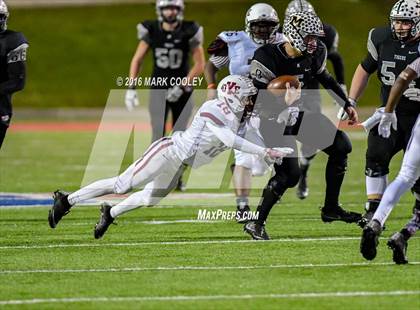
<point x="168" y="58"/>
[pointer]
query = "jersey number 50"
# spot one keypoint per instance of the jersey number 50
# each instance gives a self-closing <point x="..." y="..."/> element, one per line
<point x="168" y="58"/>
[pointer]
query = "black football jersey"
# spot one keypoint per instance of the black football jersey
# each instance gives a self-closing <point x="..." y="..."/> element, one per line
<point x="13" y="47"/>
<point x="170" y="49"/>
<point x="271" y="61"/>
<point x="388" y="57"/>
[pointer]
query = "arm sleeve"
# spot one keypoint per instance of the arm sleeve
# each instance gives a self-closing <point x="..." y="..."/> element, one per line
<point x="16" y="70"/>
<point x="230" y="139"/>
<point x="331" y="85"/>
<point x="198" y="37"/>
<point x="143" y="33"/>
<point x="370" y="63"/>
<point x="219" y="61"/>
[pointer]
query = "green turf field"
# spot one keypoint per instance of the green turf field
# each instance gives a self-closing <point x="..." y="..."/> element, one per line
<point x="76" y="54"/>
<point x="162" y="258"/>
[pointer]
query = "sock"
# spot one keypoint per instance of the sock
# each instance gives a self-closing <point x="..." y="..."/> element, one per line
<point x="334" y="176"/>
<point x="391" y="196"/>
<point x="268" y="200"/>
<point x="96" y="189"/>
<point x="414" y="224"/>
<point x="242" y="201"/>
<point x="372" y="205"/>
<point x="376" y="186"/>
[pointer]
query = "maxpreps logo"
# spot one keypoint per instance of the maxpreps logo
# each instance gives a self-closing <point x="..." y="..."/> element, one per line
<point x="220" y="215"/>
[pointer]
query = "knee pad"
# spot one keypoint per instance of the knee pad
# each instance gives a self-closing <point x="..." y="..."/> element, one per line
<point x="282" y="181"/>
<point x="375" y="170"/>
<point x="243" y="159"/>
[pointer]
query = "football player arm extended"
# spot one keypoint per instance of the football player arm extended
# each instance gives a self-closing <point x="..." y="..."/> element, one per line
<point x="138" y="59"/>
<point x="401" y="84"/>
<point x="330" y="84"/>
<point x="358" y="83"/>
<point x="16" y="69"/>
<point x="218" y="51"/>
<point x="230" y="139"/>
<point x="199" y="61"/>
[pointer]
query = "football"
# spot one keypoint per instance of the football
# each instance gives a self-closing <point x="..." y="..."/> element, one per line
<point x="278" y="85"/>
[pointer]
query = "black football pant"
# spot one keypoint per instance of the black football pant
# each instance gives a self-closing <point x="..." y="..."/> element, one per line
<point x="314" y="130"/>
<point x="381" y="150"/>
<point x="159" y="110"/>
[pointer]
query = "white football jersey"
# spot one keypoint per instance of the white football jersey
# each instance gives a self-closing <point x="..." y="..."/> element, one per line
<point x="241" y="50"/>
<point x="197" y="145"/>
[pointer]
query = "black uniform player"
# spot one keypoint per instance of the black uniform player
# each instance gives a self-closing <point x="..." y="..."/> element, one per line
<point x="304" y="57"/>
<point x="172" y="41"/>
<point x="390" y="50"/>
<point x="13" y="46"/>
<point x="330" y="39"/>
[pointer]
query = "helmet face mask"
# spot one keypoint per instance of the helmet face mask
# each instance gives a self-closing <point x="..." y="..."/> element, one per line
<point x="263" y="30"/>
<point x="238" y="92"/>
<point x="4" y="16"/>
<point x="261" y="23"/>
<point x="405" y="20"/>
<point x="170" y="11"/>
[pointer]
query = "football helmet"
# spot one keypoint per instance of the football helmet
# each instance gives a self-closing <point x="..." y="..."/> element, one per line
<point x="162" y="4"/>
<point x="405" y="10"/>
<point x="4" y="15"/>
<point x="237" y="91"/>
<point x="298" y="6"/>
<point x="301" y="28"/>
<point x="261" y="23"/>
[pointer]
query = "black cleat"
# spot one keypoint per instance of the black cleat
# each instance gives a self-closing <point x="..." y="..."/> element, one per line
<point x="398" y="245"/>
<point x="370" y="239"/>
<point x="302" y="190"/>
<point x="339" y="214"/>
<point x="60" y="208"/>
<point x="256" y="231"/>
<point x="242" y="214"/>
<point x="104" y="221"/>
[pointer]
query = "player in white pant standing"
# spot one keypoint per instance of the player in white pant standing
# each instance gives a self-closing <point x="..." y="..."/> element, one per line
<point x="409" y="173"/>
<point x="212" y="131"/>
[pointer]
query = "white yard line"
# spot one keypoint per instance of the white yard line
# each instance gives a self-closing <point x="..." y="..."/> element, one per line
<point x="207" y="297"/>
<point x="195" y="268"/>
<point x="98" y="244"/>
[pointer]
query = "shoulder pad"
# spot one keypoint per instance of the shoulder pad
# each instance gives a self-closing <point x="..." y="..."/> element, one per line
<point x="144" y="29"/>
<point x="15" y="39"/>
<point x="376" y="37"/>
<point x="213" y="110"/>
<point x="190" y="27"/>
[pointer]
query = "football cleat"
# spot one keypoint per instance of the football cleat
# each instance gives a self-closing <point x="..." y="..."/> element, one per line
<point x="337" y="213"/>
<point x="302" y="190"/>
<point x="242" y="214"/>
<point x="104" y="221"/>
<point x="370" y="239"/>
<point x="256" y="231"/>
<point x="60" y="208"/>
<point x="398" y="245"/>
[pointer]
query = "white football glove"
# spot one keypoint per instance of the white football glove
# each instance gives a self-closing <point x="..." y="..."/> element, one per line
<point x="373" y="120"/>
<point x="387" y="120"/>
<point x="289" y="116"/>
<point x="412" y="94"/>
<point x="292" y="94"/>
<point x="276" y="155"/>
<point x="174" y="93"/>
<point x="342" y="114"/>
<point x="131" y="99"/>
